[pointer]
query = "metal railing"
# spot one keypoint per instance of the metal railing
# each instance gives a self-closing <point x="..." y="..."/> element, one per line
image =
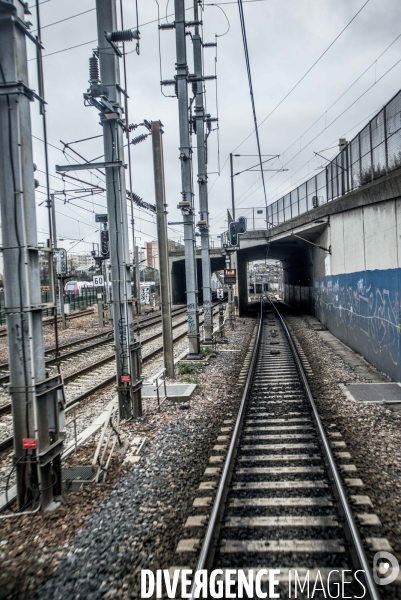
<point x="372" y="153"/>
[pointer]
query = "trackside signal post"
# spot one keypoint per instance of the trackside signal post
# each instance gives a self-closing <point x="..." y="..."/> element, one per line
<point x="37" y="401"/>
<point x="105" y="95"/>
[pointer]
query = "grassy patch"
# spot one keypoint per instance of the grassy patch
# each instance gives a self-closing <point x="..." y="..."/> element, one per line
<point x="205" y="350"/>
<point x="187" y="368"/>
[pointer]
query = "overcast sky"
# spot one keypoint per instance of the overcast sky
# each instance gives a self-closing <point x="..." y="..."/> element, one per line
<point x="285" y="38"/>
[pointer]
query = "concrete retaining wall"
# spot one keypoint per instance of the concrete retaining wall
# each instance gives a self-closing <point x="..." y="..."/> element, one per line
<point x="357" y="290"/>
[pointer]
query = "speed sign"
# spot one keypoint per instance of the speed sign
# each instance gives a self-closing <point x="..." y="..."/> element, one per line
<point x="98" y="280"/>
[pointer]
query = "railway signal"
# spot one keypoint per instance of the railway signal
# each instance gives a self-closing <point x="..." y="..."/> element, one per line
<point x="233" y="234"/>
<point x="104" y="243"/>
<point x="236" y="228"/>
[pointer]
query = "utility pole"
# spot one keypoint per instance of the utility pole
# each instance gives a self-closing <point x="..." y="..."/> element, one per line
<point x="232" y="188"/>
<point x="203" y="223"/>
<point x="105" y="95"/>
<point x="187" y="202"/>
<point x="36" y="400"/>
<point x="165" y="295"/>
<point x="138" y="281"/>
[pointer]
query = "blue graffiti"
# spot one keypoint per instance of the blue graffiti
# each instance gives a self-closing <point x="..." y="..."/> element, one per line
<point x="363" y="310"/>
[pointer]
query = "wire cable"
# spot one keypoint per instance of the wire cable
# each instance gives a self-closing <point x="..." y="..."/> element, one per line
<point x="248" y="68"/>
<point x="66" y="19"/>
<point x="307" y="72"/>
<point x="327" y="126"/>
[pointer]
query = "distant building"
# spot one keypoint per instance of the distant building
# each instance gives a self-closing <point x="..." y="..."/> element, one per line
<point x="152" y="252"/>
<point x="80" y="261"/>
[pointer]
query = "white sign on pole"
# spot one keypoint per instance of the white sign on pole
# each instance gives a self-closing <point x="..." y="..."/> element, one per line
<point x="220" y="293"/>
<point x="145" y="295"/>
<point x="98" y="280"/>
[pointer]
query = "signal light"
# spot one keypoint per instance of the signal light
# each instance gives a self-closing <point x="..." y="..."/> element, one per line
<point x="104" y="243"/>
<point x="233" y="234"/>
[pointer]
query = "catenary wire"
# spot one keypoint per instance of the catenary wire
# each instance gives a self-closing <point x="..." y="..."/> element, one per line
<point x="296" y="85"/>
<point x="326" y="126"/>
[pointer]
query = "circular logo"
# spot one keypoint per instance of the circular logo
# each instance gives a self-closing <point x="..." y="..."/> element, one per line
<point x="381" y="570"/>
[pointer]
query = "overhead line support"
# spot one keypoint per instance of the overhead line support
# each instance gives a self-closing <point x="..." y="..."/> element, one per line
<point x="105" y="95"/>
<point x="201" y="141"/>
<point x="187" y="202"/>
<point x="37" y="400"/>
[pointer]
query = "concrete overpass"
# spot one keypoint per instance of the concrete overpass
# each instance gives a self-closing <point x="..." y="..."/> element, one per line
<point x="355" y="289"/>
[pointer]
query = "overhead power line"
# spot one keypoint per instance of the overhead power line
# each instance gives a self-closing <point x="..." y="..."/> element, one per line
<point x="294" y="87"/>
<point x="308" y="71"/>
<point x="65" y="19"/>
<point x="248" y="68"/>
<point x="329" y="108"/>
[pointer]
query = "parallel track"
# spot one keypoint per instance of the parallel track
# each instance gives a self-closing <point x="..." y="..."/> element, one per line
<point x="50" y="320"/>
<point x="86" y="344"/>
<point x="6" y="409"/>
<point x="281" y="500"/>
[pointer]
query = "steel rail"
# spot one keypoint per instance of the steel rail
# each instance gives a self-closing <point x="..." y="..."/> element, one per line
<point x="8" y="442"/>
<point x="143" y="324"/>
<point x="359" y="551"/>
<point x="6" y="408"/>
<point x="50" y="320"/>
<point x="206" y="554"/>
<point x="109" y="338"/>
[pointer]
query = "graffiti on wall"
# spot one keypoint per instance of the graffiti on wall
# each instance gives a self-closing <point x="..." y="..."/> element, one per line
<point x="363" y="310"/>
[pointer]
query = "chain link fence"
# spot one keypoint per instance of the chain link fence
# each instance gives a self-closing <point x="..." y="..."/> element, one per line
<point x="374" y="152"/>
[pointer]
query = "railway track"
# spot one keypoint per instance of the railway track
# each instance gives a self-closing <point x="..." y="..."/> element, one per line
<point x="86" y="344"/>
<point x="102" y="372"/>
<point x="50" y="320"/>
<point x="281" y="500"/>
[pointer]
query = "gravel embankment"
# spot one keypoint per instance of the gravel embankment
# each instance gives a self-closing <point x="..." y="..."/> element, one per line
<point x="372" y="434"/>
<point x="96" y="544"/>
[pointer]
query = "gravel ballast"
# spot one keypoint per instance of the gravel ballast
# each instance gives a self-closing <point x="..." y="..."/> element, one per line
<point x="97" y="543"/>
<point x="372" y="432"/>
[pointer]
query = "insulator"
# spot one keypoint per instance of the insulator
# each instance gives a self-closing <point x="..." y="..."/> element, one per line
<point x="94" y="70"/>
<point x="176" y="89"/>
<point x="126" y="35"/>
<point x="132" y="126"/>
<point x="191" y="129"/>
<point x="137" y="198"/>
<point x="194" y="87"/>
<point x="139" y="139"/>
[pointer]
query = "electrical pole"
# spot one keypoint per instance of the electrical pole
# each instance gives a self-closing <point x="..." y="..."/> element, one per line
<point x="36" y="400"/>
<point x="232" y="188"/>
<point x="105" y="95"/>
<point x="187" y="203"/>
<point x="165" y="295"/>
<point x="203" y="223"/>
<point x="138" y="280"/>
